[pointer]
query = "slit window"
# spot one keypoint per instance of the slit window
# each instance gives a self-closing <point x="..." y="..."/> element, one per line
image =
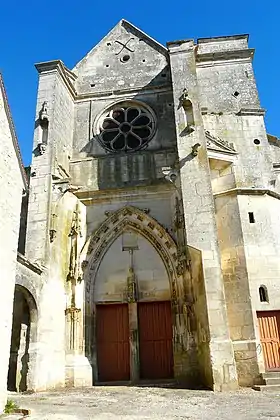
<point x="251" y="217"/>
<point x="263" y="294"/>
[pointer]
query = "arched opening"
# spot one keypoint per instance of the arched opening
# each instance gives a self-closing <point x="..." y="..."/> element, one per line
<point x="23" y="333"/>
<point x="133" y="312"/>
<point x="263" y="294"/>
<point x="159" y="290"/>
<point x="188" y="108"/>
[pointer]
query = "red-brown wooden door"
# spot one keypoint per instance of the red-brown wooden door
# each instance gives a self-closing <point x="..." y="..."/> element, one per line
<point x="269" y="323"/>
<point x="155" y="340"/>
<point x="112" y="339"/>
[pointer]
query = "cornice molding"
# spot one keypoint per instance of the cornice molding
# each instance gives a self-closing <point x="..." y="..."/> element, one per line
<point x="225" y="55"/>
<point x="222" y="38"/>
<point x="249" y="191"/>
<point x="251" y="111"/>
<point x="121" y="92"/>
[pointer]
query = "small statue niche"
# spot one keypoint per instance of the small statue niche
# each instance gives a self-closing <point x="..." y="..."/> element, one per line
<point x="43" y="126"/>
<point x="187" y="106"/>
<point x="43" y="115"/>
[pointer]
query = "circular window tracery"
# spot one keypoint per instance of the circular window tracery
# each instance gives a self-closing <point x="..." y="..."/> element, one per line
<point x="126" y="127"/>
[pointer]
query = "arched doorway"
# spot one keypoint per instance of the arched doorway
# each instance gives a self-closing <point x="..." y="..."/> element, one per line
<point x="132" y="308"/>
<point x="133" y="312"/>
<point x="23" y="333"/>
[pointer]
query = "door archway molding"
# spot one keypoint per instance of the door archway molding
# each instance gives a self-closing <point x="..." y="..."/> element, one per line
<point x="128" y="218"/>
<point x="132" y="218"/>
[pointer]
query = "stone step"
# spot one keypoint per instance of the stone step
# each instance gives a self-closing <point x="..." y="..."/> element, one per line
<point x="272" y="381"/>
<point x="275" y="374"/>
<point x="267" y="388"/>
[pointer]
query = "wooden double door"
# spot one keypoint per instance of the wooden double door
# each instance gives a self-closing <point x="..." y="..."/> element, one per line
<point x="269" y="325"/>
<point x="114" y="341"/>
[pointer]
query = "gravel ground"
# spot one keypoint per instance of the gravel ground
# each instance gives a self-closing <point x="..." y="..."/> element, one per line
<point x="149" y="403"/>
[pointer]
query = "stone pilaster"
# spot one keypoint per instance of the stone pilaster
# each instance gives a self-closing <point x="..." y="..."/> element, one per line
<point x="78" y="371"/>
<point x="199" y="210"/>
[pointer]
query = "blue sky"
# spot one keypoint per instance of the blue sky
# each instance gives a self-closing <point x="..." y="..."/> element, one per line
<point x="34" y="31"/>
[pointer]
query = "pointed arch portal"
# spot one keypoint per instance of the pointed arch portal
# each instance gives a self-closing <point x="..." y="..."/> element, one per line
<point x="132" y="334"/>
<point x="125" y="219"/>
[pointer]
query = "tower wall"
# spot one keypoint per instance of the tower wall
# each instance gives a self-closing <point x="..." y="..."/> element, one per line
<point x="199" y="215"/>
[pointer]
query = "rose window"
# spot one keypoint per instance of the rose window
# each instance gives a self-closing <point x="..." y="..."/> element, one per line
<point x="126" y="128"/>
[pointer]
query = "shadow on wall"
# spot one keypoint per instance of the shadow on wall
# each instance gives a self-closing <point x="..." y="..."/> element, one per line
<point x="24" y="321"/>
<point x="201" y="316"/>
<point x="115" y="170"/>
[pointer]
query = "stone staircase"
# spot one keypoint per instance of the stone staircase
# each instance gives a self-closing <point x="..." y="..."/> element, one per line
<point x="271" y="382"/>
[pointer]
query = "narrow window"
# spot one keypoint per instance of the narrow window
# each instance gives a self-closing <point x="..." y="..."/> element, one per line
<point x="263" y="294"/>
<point x="251" y="217"/>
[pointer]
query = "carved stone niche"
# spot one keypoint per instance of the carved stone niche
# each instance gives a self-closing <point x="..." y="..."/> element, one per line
<point x="43" y="114"/>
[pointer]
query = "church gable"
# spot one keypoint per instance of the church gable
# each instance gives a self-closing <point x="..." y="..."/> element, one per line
<point x="125" y="59"/>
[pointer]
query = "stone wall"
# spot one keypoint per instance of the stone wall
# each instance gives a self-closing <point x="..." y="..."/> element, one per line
<point x="199" y="206"/>
<point x="95" y="168"/>
<point x="253" y="168"/>
<point x="262" y="251"/>
<point x="111" y="66"/>
<point x="50" y="164"/>
<point x="237" y="291"/>
<point x="11" y="186"/>
<point x="231" y="111"/>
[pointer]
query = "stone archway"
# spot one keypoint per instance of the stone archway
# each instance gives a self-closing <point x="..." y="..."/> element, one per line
<point x="129" y="218"/>
<point x="24" y="331"/>
<point x="132" y="219"/>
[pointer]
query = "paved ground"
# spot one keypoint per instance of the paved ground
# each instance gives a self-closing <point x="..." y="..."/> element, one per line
<point x="136" y="403"/>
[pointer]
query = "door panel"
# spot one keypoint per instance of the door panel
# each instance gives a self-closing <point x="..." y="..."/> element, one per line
<point x="112" y="338"/>
<point x="155" y="340"/>
<point x="269" y="323"/>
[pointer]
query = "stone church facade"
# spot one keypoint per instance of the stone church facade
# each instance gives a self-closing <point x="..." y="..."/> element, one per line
<point x="150" y="240"/>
